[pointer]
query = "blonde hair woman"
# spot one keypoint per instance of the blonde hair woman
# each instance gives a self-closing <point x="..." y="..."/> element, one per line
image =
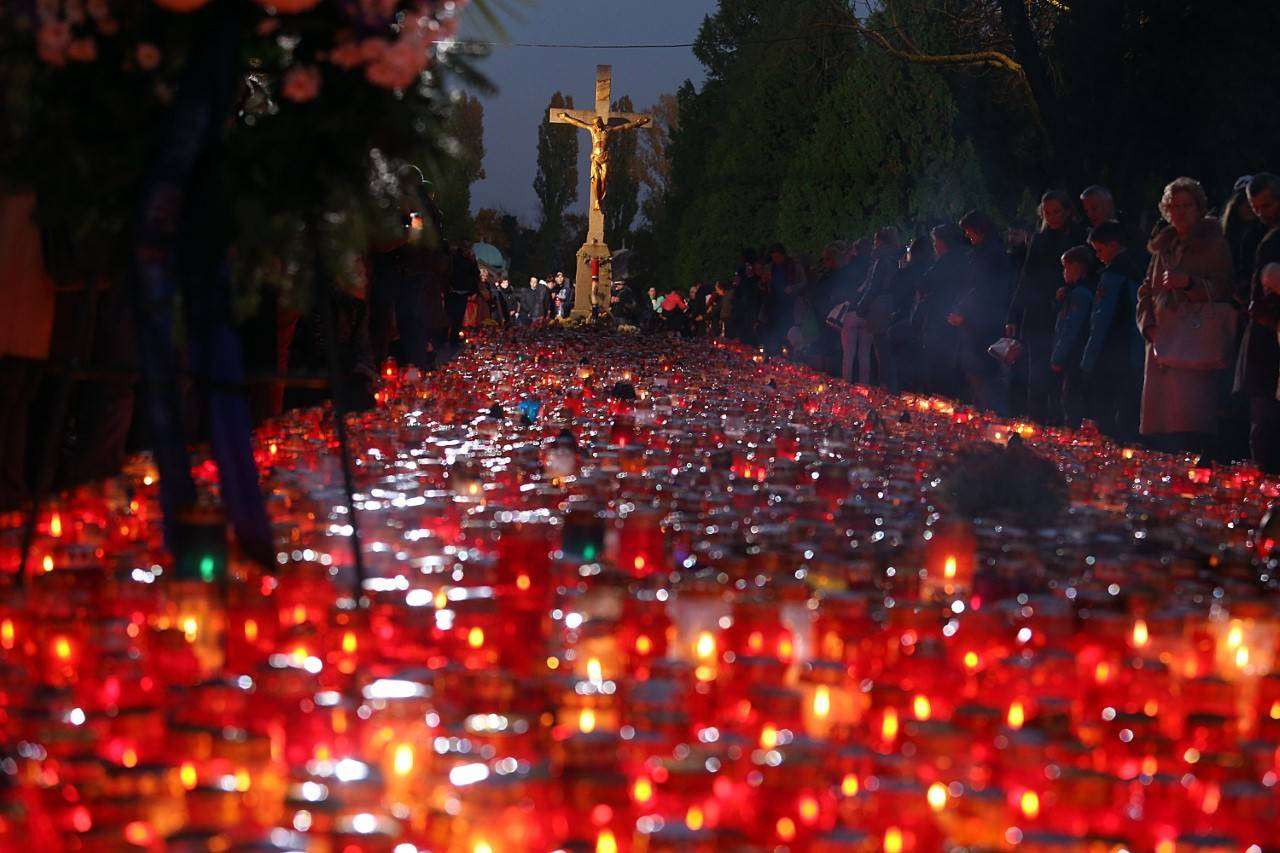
<point x="1190" y="263"/>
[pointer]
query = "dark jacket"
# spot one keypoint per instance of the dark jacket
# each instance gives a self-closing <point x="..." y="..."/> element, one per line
<point x="944" y="283"/>
<point x="1072" y="326"/>
<point x="1033" y="303"/>
<point x="1259" y="361"/>
<point x="982" y="304"/>
<point x="748" y="299"/>
<point x="1114" y="343"/>
<point x="878" y="299"/>
<point x="542" y="305"/>
<point x="464" y="276"/>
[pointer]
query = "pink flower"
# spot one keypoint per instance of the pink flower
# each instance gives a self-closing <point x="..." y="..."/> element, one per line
<point x="347" y="55"/>
<point x="378" y="12"/>
<point x="372" y="49"/>
<point x="301" y="83"/>
<point x="82" y="50"/>
<point x="399" y="67"/>
<point x="52" y="42"/>
<point x="148" y="56"/>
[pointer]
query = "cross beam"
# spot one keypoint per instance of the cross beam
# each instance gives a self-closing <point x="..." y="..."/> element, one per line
<point x="604" y="98"/>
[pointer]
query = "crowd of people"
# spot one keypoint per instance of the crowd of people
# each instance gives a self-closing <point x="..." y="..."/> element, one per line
<point x="540" y="302"/>
<point x="1166" y="336"/>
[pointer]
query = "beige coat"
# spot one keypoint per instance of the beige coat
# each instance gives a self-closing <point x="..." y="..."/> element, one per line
<point x="1174" y="400"/>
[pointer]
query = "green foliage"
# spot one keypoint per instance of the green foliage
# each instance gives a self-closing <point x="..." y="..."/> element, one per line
<point x="465" y="130"/>
<point x="886" y="147"/>
<point x="622" y="201"/>
<point x="556" y="182"/>
<point x="84" y="131"/>
<point x="806" y="132"/>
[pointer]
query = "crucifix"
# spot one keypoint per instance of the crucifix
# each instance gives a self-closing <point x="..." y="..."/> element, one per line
<point x="601" y="123"/>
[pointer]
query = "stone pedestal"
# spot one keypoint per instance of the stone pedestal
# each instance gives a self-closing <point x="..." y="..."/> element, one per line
<point x="585" y="297"/>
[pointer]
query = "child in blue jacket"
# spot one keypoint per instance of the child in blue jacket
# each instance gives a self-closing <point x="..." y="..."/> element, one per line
<point x="1070" y="331"/>
<point x="1113" y="356"/>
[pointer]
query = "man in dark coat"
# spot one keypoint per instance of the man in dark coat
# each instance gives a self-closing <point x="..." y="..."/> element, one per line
<point x="464" y="283"/>
<point x="1034" y="304"/>
<point x="748" y="299"/>
<point x="944" y="284"/>
<point x="1113" y="357"/>
<point x="979" y="312"/>
<point x="1259" y="361"/>
<point x="874" y="310"/>
<point x="407" y="281"/>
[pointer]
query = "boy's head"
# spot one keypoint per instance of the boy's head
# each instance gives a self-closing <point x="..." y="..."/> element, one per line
<point x="1107" y="240"/>
<point x="1076" y="263"/>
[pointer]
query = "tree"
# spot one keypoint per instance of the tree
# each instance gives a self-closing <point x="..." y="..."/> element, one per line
<point x="556" y="182"/>
<point x="855" y="172"/>
<point x="653" y="160"/>
<point x="622" y="202"/>
<point x="488" y="229"/>
<point x="465" y="130"/>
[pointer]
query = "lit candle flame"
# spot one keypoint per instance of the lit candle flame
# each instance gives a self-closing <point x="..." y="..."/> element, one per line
<point x="190" y="628"/>
<point x="849" y="785"/>
<point x="642" y="790"/>
<point x="251" y="630"/>
<point x="1140" y="634"/>
<point x="893" y="840"/>
<point x="349" y="642"/>
<point x="949" y="568"/>
<point x="1017" y="715"/>
<point x="768" y="736"/>
<point x="402" y="759"/>
<point x="587" y="721"/>
<point x="1030" y="804"/>
<point x="706" y="645"/>
<point x="606" y="843"/>
<point x="475" y="637"/>
<point x="889" y="727"/>
<point x="594" y="673"/>
<point x="55" y="525"/>
<point x="7" y="634"/>
<point x="921" y="707"/>
<point x="937" y="796"/>
<point x="822" y="701"/>
<point x="1235" y="634"/>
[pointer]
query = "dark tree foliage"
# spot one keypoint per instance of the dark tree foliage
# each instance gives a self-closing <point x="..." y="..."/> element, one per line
<point x="465" y="128"/>
<point x="818" y="123"/>
<point x="622" y="202"/>
<point x="556" y="182"/>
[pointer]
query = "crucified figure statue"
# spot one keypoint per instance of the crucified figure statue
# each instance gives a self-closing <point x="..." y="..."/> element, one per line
<point x="600" y="131"/>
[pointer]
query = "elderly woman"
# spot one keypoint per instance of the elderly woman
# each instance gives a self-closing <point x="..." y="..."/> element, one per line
<point x="1190" y="263"/>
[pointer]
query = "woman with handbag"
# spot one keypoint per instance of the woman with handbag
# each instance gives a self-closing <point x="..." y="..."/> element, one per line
<point x="1185" y="315"/>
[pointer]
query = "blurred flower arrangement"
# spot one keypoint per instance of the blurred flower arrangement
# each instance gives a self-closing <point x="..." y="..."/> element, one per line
<point x="334" y="95"/>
